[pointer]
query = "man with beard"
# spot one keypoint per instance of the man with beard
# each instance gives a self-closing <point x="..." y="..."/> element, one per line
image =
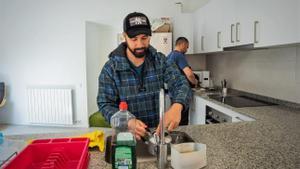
<point x="178" y="57"/>
<point x="135" y="73"/>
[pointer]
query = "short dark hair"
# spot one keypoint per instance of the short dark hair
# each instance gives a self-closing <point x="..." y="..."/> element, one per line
<point x="181" y="40"/>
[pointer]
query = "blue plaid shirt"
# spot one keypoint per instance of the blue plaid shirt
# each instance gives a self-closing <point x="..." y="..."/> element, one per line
<point x="119" y="82"/>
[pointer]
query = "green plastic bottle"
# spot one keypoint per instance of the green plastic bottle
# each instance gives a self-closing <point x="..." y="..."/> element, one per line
<point x="123" y="140"/>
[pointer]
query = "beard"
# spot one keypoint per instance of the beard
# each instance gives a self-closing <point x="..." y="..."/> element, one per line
<point x="138" y="52"/>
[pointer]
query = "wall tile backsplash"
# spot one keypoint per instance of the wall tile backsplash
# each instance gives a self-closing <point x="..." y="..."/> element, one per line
<point x="271" y="72"/>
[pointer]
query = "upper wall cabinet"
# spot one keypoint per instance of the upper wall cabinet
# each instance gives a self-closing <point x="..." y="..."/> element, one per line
<point x="229" y="23"/>
<point x="198" y="32"/>
<point x="212" y="41"/>
<point x="238" y="22"/>
<point x="260" y="22"/>
<point x="276" y="22"/>
<point x="208" y="28"/>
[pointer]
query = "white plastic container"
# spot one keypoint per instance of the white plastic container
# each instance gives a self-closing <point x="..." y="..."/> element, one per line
<point x="188" y="156"/>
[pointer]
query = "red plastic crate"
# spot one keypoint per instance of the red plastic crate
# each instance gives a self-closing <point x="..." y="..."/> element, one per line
<point x="60" y="153"/>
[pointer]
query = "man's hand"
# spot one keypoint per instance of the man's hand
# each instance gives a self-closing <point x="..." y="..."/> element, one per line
<point x="138" y="127"/>
<point x="172" y="117"/>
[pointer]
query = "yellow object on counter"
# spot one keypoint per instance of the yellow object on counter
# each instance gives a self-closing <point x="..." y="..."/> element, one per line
<point x="96" y="139"/>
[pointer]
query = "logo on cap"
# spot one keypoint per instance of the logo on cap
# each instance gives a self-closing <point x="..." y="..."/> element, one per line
<point x="138" y="20"/>
<point x="136" y="23"/>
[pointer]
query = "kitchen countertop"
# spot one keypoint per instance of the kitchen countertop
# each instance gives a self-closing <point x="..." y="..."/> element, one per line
<point x="272" y="141"/>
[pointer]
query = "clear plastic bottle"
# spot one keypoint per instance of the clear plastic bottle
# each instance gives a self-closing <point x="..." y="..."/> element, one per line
<point x="123" y="139"/>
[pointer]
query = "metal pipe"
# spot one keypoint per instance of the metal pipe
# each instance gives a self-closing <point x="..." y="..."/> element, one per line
<point x="161" y="115"/>
<point x="162" y="147"/>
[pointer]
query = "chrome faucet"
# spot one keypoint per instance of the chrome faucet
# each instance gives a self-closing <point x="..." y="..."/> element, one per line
<point x="224" y="88"/>
<point x="162" y="146"/>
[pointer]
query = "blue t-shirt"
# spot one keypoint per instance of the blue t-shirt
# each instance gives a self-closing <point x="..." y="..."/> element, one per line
<point x="178" y="58"/>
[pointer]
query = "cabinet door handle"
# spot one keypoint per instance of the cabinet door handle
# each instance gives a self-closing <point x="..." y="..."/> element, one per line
<point x="231" y="33"/>
<point x="237" y="27"/>
<point x="218" y="39"/>
<point x="202" y="41"/>
<point x="255" y="32"/>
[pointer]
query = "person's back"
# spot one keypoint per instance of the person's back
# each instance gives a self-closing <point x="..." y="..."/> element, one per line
<point x="178" y="57"/>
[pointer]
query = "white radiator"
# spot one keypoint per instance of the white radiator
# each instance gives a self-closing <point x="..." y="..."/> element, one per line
<point x="51" y="106"/>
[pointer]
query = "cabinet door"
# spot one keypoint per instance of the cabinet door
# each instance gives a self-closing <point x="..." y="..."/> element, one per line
<point x="197" y="115"/>
<point x="238" y="22"/>
<point x="245" y="18"/>
<point x="228" y="22"/>
<point x="277" y="23"/>
<point x="213" y="26"/>
<point x="198" y="18"/>
<point x="192" y="110"/>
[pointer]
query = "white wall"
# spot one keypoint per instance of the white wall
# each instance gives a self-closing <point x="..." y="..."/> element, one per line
<point x="1" y="29"/>
<point x="271" y="72"/>
<point x="99" y="43"/>
<point x="197" y="61"/>
<point x="43" y="43"/>
<point x="298" y="26"/>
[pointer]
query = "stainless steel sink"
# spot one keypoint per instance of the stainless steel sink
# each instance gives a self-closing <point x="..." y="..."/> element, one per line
<point x="142" y="149"/>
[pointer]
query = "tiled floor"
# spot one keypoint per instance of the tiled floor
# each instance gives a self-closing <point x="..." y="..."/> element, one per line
<point x="22" y="129"/>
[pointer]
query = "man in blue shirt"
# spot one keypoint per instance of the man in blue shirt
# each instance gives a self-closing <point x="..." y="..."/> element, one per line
<point x="177" y="56"/>
<point x="135" y="73"/>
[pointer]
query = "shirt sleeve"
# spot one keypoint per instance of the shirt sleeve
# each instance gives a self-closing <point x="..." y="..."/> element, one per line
<point x="107" y="99"/>
<point x="181" y="61"/>
<point x="178" y="86"/>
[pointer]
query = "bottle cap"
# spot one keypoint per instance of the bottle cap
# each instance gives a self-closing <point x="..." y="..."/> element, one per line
<point x="123" y="106"/>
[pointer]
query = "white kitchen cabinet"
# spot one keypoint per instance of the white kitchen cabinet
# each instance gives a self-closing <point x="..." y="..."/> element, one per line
<point x="213" y="26"/>
<point x="238" y="22"/>
<point x="208" y="28"/>
<point x="198" y="106"/>
<point x="229" y="23"/>
<point x="277" y="22"/>
<point x="260" y="22"/>
<point x="245" y="21"/>
<point x="198" y="28"/>
<point x="197" y="111"/>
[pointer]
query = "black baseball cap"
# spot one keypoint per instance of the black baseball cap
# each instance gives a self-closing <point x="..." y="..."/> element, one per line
<point x="135" y="24"/>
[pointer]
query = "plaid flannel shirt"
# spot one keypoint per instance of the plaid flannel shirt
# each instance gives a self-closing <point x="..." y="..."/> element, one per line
<point x="119" y="82"/>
